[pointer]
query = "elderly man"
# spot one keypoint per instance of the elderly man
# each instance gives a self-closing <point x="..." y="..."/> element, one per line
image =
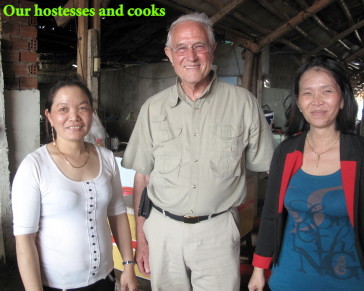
<point x="191" y="146"/>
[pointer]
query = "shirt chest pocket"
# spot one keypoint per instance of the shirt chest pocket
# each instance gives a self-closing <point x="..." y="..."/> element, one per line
<point x="167" y="146"/>
<point x="227" y="150"/>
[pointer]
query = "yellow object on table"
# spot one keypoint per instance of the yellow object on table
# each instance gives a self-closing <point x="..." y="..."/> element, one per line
<point x="116" y="254"/>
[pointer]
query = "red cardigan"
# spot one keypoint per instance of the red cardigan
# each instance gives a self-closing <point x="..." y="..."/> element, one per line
<point x="287" y="160"/>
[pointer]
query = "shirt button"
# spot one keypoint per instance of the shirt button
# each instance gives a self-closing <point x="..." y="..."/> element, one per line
<point x="195" y="134"/>
<point x="197" y="109"/>
<point x="194" y="186"/>
<point x="196" y="160"/>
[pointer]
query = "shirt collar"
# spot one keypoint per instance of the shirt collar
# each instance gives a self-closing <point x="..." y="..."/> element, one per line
<point x="179" y="94"/>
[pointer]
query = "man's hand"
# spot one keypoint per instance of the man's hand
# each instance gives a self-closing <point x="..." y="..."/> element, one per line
<point x="142" y="256"/>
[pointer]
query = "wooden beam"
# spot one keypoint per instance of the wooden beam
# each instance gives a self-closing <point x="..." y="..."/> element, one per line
<point x="289" y="25"/>
<point x="226" y="10"/>
<point x="237" y="38"/>
<point x="336" y="38"/>
<point x="82" y="42"/>
<point x="358" y="53"/>
<point x="62" y="21"/>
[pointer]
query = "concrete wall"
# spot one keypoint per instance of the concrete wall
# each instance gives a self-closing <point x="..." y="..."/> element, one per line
<point x="122" y="93"/>
<point x="4" y="168"/>
<point x="22" y="122"/>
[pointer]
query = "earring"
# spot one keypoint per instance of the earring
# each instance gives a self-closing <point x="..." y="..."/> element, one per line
<point x="54" y="141"/>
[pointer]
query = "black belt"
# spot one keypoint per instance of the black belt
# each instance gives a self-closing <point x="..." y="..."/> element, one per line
<point x="186" y="218"/>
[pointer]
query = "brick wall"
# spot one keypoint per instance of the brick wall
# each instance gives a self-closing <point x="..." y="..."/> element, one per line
<point x="19" y="48"/>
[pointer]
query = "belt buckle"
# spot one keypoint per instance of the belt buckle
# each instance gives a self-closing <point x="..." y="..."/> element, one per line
<point x="191" y="219"/>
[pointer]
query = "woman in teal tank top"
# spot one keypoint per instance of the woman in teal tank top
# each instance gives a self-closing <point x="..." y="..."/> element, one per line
<point x="309" y="228"/>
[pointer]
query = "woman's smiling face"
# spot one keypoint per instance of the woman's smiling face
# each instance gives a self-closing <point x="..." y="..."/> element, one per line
<point x="71" y="113"/>
<point x="319" y="98"/>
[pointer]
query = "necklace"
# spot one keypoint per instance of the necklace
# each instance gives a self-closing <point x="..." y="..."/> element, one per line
<point x="318" y="155"/>
<point x="68" y="162"/>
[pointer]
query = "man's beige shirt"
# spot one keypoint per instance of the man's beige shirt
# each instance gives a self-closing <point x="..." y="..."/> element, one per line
<point x="196" y="153"/>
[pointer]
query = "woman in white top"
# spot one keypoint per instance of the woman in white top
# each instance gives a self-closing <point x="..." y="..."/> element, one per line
<point x="66" y="196"/>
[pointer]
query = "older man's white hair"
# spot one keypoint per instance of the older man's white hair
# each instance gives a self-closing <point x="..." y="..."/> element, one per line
<point x="196" y="17"/>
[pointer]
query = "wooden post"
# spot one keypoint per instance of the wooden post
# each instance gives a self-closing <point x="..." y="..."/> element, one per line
<point x="260" y="78"/>
<point x="82" y="42"/>
<point x="93" y="65"/>
<point x="254" y="75"/>
<point x="248" y="65"/>
<point x="96" y="20"/>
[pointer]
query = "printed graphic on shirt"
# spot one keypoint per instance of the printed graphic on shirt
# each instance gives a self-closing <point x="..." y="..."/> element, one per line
<point x="318" y="249"/>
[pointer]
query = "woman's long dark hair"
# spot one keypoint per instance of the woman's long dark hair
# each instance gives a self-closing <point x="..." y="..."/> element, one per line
<point x="346" y="118"/>
<point x="72" y="80"/>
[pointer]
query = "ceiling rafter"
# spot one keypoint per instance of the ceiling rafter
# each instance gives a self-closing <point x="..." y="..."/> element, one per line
<point x="332" y="33"/>
<point x="348" y="15"/>
<point x="289" y="25"/>
<point x="224" y="10"/>
<point x="333" y="40"/>
<point x="248" y="43"/>
<point x="282" y="15"/>
<point x="358" y="53"/>
<point x="252" y="24"/>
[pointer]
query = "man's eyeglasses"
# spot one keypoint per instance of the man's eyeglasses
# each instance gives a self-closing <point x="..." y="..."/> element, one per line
<point x="198" y="48"/>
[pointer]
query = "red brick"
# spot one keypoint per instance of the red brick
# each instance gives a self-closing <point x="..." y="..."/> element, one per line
<point x="24" y="20"/>
<point x="32" y="20"/>
<point x="33" y="45"/>
<point x="4" y="18"/>
<point x="28" y="57"/>
<point x="28" y="31"/>
<point x="10" y="28"/>
<point x="17" y="69"/>
<point x="28" y="83"/>
<point x="19" y="43"/>
<point x="33" y="69"/>
<point x="20" y="19"/>
<point x="11" y="83"/>
<point x="11" y="55"/>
